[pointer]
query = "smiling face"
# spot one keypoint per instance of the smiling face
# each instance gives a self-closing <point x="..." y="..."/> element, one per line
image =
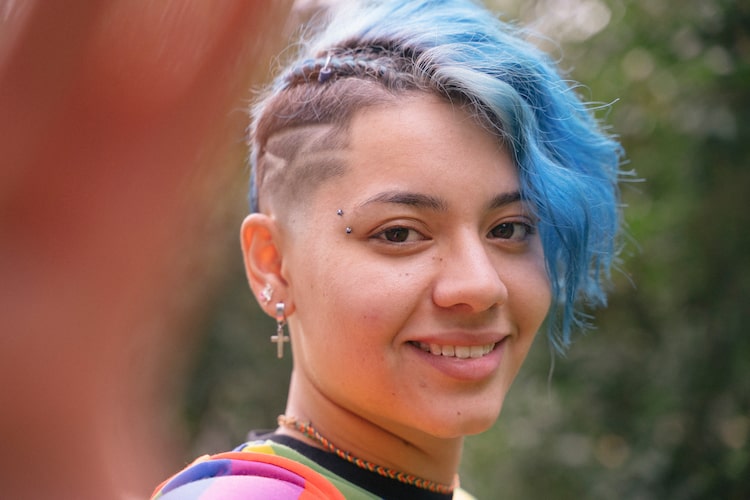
<point x="421" y="316"/>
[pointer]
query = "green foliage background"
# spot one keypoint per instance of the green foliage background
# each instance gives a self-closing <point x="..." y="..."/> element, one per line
<point x="655" y="402"/>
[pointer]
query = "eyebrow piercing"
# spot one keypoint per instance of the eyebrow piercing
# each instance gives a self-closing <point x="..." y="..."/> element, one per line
<point x="339" y="212"/>
<point x="348" y="230"/>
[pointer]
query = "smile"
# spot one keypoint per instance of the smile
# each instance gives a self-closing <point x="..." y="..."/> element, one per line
<point x="457" y="351"/>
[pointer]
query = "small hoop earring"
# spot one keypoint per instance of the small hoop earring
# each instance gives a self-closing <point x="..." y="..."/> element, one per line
<point x="280" y="338"/>
<point x="266" y="294"/>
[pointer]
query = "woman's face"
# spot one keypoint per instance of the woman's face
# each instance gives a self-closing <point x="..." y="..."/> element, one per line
<point x="415" y="306"/>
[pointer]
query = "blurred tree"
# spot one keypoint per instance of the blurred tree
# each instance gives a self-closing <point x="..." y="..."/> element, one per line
<point x="655" y="402"/>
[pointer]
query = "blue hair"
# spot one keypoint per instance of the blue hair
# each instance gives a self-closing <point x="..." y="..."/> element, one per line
<point x="569" y="166"/>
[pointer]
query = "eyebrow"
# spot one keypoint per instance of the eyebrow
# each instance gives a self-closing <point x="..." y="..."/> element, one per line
<point x="408" y="198"/>
<point x="503" y="199"/>
<point x="435" y="203"/>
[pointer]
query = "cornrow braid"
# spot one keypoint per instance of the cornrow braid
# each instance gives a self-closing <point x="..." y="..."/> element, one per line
<point x="372" y="62"/>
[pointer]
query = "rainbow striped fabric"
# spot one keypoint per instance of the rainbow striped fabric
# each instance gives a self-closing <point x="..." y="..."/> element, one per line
<point x="260" y="469"/>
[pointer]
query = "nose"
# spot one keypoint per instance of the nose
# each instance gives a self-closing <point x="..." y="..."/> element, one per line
<point x="468" y="276"/>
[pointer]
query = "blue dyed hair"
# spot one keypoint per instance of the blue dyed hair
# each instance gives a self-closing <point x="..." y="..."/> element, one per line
<point x="377" y="51"/>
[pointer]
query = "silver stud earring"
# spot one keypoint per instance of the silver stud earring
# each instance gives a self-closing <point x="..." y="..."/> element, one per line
<point x="266" y="294"/>
<point x="280" y="338"/>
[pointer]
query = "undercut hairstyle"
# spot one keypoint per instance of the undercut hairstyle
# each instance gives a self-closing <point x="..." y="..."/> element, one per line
<point x="372" y="53"/>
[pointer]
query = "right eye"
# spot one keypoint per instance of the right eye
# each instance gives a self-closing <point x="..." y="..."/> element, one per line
<point x="398" y="234"/>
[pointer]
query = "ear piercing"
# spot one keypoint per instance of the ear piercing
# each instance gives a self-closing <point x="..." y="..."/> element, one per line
<point x="280" y="338"/>
<point x="266" y="294"/>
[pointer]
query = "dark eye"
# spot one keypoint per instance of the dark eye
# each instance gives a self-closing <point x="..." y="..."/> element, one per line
<point x="399" y="234"/>
<point x="396" y="234"/>
<point x="517" y="231"/>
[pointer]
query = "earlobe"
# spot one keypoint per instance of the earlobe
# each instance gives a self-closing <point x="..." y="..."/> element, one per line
<point x="263" y="262"/>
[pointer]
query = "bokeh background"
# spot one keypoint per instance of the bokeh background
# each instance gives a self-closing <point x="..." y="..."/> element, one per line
<point x="654" y="402"/>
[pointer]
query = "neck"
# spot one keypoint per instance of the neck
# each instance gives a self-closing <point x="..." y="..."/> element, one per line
<point x="389" y="444"/>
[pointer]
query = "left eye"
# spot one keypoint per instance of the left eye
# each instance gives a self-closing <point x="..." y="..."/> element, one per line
<point x="517" y="231"/>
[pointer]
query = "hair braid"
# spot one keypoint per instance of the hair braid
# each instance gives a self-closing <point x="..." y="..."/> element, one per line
<point x="389" y="67"/>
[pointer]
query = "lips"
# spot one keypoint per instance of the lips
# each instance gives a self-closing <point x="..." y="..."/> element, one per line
<point x="462" y="359"/>
<point x="457" y="351"/>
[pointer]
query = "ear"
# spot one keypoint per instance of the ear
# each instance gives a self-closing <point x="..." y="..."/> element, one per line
<point x="263" y="258"/>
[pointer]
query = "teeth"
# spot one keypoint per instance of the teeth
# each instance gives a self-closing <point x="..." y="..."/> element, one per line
<point x="457" y="351"/>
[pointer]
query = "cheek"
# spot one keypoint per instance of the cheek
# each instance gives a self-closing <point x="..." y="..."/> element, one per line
<point x="352" y="299"/>
<point x="376" y="301"/>
<point x="372" y="302"/>
<point x="531" y="295"/>
<point x="539" y="300"/>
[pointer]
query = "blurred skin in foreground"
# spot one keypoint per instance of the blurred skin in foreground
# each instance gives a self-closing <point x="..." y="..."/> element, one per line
<point x="121" y="125"/>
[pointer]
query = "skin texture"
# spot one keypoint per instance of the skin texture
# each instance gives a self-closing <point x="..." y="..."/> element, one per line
<point x="469" y="272"/>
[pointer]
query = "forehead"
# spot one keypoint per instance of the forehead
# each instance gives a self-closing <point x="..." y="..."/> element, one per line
<point x="426" y="144"/>
<point x="425" y="128"/>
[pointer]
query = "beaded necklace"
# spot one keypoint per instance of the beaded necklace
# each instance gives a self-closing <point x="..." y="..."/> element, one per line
<point x="308" y="430"/>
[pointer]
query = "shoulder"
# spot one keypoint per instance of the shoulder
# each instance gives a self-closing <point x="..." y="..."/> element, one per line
<point x="235" y="474"/>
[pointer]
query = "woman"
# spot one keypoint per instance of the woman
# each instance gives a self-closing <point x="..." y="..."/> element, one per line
<point x="426" y="191"/>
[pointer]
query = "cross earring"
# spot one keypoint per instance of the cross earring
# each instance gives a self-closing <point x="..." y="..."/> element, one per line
<point x="280" y="338"/>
